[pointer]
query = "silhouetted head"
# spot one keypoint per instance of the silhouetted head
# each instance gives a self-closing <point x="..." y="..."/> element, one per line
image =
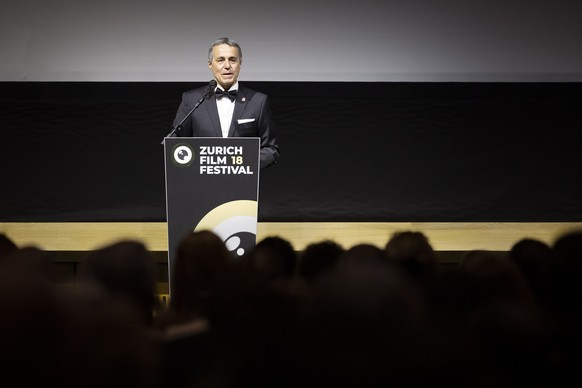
<point x="7" y="246"/>
<point x="272" y="258"/>
<point x="318" y="259"/>
<point x="201" y="261"/>
<point x="413" y="253"/>
<point x="125" y="269"/>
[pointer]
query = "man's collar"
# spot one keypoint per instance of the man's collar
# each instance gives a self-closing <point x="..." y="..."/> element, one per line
<point x="233" y="87"/>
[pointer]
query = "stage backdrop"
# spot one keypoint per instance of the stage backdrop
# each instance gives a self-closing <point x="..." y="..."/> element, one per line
<point x="90" y="151"/>
<point x="299" y="40"/>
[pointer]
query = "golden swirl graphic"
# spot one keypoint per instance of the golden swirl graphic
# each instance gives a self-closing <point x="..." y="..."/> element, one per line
<point x="231" y="220"/>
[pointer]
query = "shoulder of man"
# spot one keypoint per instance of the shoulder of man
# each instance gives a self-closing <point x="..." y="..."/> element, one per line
<point x="200" y="91"/>
<point x="249" y="93"/>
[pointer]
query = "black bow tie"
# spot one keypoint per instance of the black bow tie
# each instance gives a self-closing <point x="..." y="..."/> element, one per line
<point x="231" y="94"/>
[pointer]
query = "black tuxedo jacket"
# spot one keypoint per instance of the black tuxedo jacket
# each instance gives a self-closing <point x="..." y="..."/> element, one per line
<point x="251" y="118"/>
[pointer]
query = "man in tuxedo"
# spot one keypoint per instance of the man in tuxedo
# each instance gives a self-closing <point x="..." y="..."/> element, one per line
<point x="231" y="110"/>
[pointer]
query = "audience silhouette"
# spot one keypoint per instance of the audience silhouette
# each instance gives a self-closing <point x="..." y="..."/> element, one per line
<point x="413" y="253"/>
<point x="75" y="336"/>
<point x="272" y="258"/>
<point x="366" y="316"/>
<point x="201" y="263"/>
<point x="125" y="269"/>
<point x="533" y="257"/>
<point x="317" y="259"/>
<point x="7" y="246"/>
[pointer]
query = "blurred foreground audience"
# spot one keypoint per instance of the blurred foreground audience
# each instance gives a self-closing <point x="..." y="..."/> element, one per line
<point x="125" y="270"/>
<point x="363" y="316"/>
<point x="76" y="336"/>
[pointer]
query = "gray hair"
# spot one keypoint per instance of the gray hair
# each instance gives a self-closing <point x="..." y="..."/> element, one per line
<point x="227" y="41"/>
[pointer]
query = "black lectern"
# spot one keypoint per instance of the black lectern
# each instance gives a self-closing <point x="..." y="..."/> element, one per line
<point x="212" y="184"/>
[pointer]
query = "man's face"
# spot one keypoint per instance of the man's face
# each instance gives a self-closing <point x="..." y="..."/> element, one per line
<point x="225" y="65"/>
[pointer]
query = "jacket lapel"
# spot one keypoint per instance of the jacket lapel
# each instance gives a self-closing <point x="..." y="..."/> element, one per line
<point x="213" y="115"/>
<point x="239" y="107"/>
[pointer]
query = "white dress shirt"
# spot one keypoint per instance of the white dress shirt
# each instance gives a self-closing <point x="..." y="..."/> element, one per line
<point x="225" y="110"/>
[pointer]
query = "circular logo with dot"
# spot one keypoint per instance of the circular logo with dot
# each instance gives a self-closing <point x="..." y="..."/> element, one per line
<point x="182" y="155"/>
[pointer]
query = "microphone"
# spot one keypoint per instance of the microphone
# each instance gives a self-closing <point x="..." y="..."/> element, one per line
<point x="209" y="92"/>
<point x="211" y="88"/>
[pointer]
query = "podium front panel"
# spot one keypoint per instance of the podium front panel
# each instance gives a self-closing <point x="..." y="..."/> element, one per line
<point x="212" y="184"/>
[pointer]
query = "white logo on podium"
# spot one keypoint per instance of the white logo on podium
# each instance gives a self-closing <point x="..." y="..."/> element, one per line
<point x="182" y="155"/>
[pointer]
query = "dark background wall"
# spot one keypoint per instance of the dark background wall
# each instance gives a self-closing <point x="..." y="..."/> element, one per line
<point x="76" y="151"/>
<point x="401" y="110"/>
